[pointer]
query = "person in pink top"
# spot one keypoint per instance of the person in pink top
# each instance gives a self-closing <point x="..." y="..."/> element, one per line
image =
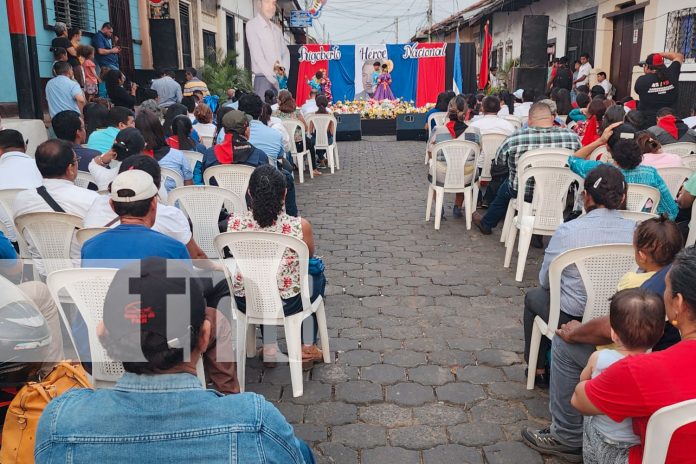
<point x="86" y="54"/>
<point x="653" y="154"/>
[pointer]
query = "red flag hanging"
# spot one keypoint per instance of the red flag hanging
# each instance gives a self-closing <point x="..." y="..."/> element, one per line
<point x="485" y="57"/>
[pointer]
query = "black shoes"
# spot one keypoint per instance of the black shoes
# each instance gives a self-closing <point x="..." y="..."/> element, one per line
<point x="545" y="443"/>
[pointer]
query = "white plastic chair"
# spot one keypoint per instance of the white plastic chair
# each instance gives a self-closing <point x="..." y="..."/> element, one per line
<point x="539" y="157"/>
<point x="33" y="130"/>
<point x="515" y="120"/>
<point x="638" y="195"/>
<point x="662" y="425"/>
<point x="193" y="156"/>
<point x="233" y="177"/>
<point x="52" y="234"/>
<point x="601" y="153"/>
<point x="292" y="126"/>
<point x="87" y="233"/>
<point x="173" y="175"/>
<point x="460" y="157"/>
<point x="207" y="141"/>
<point x="7" y="198"/>
<point x="490" y="142"/>
<point x="691" y="238"/>
<point x="258" y="256"/>
<point x="689" y="162"/>
<point x="543" y="215"/>
<point x="680" y="148"/>
<point x="637" y="216"/>
<point x="600" y="267"/>
<point x="87" y="289"/>
<point x="83" y="179"/>
<point x="321" y="127"/>
<point x="202" y="205"/>
<point x="439" y="119"/>
<point x="674" y="178"/>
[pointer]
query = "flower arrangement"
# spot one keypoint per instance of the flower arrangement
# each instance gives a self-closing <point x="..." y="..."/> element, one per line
<point x="373" y="109"/>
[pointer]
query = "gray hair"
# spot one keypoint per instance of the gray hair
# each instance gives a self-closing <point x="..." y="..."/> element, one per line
<point x="60" y="27"/>
<point x="551" y="104"/>
<point x="151" y="105"/>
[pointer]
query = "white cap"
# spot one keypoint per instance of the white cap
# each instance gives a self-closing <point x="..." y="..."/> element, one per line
<point x="518" y="94"/>
<point x="136" y="180"/>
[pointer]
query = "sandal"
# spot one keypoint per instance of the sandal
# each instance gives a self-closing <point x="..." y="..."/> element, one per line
<point x="316" y="173"/>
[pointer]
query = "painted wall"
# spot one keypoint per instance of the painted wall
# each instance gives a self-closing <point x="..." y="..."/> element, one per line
<point x="43" y="40"/>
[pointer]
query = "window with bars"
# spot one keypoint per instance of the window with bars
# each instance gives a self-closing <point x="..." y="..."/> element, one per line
<point x="75" y="13"/>
<point x="681" y="33"/>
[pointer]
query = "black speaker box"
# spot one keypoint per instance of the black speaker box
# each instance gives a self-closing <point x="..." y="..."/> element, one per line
<point x="163" y="33"/>
<point x="535" y="33"/>
<point x="411" y="127"/>
<point x="348" y="127"/>
<point x="531" y="79"/>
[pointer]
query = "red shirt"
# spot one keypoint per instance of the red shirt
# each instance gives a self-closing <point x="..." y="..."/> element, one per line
<point x="639" y="385"/>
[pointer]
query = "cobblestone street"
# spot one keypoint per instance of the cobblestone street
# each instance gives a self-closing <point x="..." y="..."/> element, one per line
<point x="425" y="325"/>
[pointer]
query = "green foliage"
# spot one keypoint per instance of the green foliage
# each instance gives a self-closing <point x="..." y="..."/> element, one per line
<point x="221" y="73"/>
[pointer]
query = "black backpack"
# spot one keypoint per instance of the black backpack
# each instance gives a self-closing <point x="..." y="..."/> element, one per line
<point x="563" y="79"/>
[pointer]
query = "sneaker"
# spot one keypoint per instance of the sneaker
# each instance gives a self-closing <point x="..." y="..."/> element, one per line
<point x="456" y="211"/>
<point x="543" y="442"/>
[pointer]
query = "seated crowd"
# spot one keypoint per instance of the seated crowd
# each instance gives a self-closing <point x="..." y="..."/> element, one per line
<point x="605" y="376"/>
<point x="132" y="155"/>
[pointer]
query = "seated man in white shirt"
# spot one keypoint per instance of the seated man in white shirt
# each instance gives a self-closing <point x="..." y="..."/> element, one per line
<point x="57" y="163"/>
<point x="604" y="82"/>
<point x="169" y="220"/>
<point x="17" y="171"/>
<point x="310" y="106"/>
<point x="490" y="121"/>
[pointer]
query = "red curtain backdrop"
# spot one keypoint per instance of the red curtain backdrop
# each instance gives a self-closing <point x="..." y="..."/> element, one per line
<point x="431" y="76"/>
<point x="306" y="71"/>
<point x="485" y="58"/>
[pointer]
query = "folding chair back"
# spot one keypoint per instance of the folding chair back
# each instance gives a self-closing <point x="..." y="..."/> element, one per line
<point x="33" y="130"/>
<point x="438" y="117"/>
<point x="490" y="142"/>
<point x="87" y="233"/>
<point x="7" y="198"/>
<point x="194" y="156"/>
<point x="321" y="128"/>
<point x="516" y="121"/>
<point x="689" y="162"/>
<point x="233" y="177"/>
<point x="601" y="153"/>
<point x="638" y="196"/>
<point x="551" y="186"/>
<point x="202" y="205"/>
<point x="662" y="425"/>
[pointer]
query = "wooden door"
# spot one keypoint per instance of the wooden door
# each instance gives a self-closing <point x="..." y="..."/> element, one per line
<point x="119" y="14"/>
<point x="625" y="51"/>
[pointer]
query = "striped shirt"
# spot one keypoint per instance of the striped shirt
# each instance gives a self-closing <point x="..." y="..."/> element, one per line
<point x="193" y="85"/>
<point x="530" y="138"/>
<point x="642" y="174"/>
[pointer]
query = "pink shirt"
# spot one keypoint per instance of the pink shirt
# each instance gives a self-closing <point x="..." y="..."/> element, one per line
<point x="662" y="160"/>
<point x="90" y="72"/>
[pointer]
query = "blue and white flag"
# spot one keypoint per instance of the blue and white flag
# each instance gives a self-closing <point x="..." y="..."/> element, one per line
<point x="457" y="74"/>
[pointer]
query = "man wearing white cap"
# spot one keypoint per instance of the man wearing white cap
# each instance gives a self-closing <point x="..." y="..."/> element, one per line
<point x="134" y="199"/>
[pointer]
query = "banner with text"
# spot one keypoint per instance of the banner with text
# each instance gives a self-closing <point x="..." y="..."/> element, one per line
<point x="414" y="71"/>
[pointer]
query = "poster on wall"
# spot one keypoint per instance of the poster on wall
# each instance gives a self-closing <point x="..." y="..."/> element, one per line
<point x="415" y="72"/>
<point x="159" y="9"/>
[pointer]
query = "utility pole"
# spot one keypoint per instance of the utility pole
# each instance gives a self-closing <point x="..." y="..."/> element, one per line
<point x="430" y="19"/>
<point x="396" y="21"/>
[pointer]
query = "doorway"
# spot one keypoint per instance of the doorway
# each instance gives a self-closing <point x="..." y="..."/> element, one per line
<point x="625" y="50"/>
<point x="119" y="14"/>
<point x="185" y="25"/>
<point x="580" y="36"/>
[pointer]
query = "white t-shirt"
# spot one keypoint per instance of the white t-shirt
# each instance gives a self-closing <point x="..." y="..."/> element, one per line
<point x="169" y="220"/>
<point x="606" y="85"/>
<point x="585" y="70"/>
<point x="104" y="176"/>
<point x="277" y="124"/>
<point x="522" y="109"/>
<point x="73" y="199"/>
<point x="690" y="121"/>
<point x="490" y="122"/>
<point x="310" y="107"/>
<point x="205" y="130"/>
<point x="17" y="171"/>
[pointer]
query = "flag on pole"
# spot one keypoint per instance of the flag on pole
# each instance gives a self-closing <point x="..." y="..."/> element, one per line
<point x="457" y="74"/>
<point x="485" y="57"/>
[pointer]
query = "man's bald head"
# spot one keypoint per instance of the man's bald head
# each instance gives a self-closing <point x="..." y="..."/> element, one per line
<point x="540" y="115"/>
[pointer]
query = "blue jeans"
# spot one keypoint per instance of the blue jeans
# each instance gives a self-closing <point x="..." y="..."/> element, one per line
<point x="498" y="208"/>
<point x="290" y="201"/>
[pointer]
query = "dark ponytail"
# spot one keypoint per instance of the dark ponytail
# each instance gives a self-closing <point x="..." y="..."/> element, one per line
<point x="266" y="188"/>
<point x="181" y="128"/>
<point x="606" y="185"/>
<point x="322" y="103"/>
